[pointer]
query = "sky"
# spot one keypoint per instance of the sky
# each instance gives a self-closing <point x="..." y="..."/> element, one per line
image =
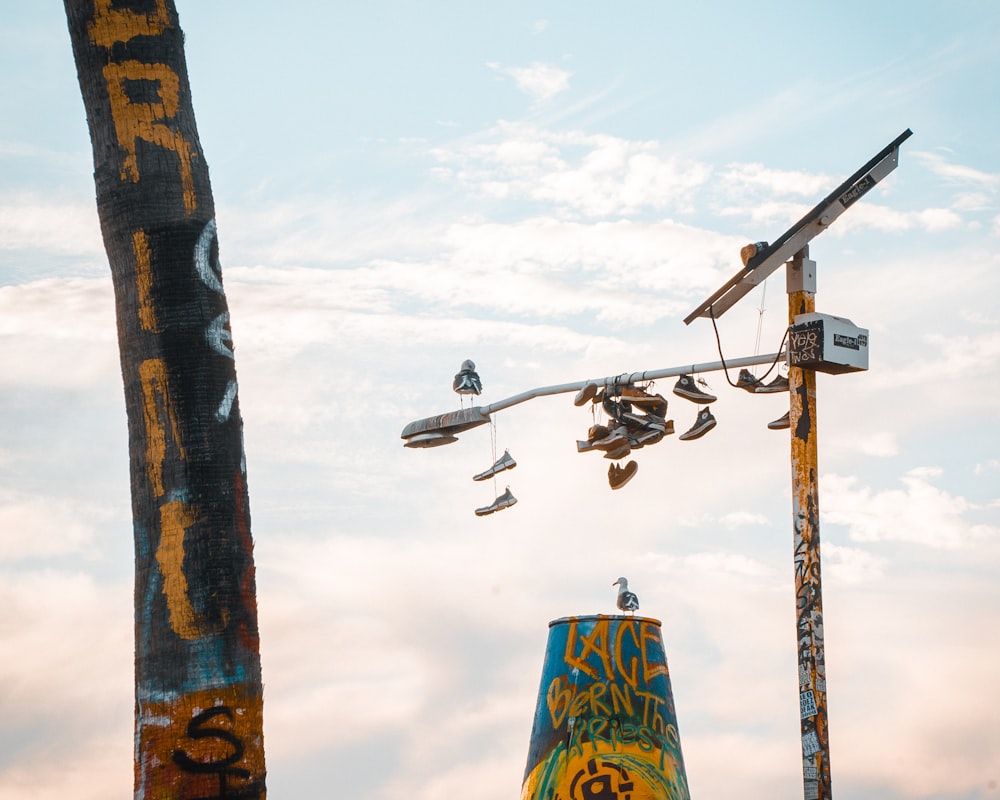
<point x="548" y="189"/>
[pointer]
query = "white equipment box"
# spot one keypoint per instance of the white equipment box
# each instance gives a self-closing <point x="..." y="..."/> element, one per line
<point x="827" y="344"/>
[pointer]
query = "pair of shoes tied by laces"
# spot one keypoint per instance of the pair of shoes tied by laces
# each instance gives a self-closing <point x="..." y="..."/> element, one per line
<point x="749" y="383"/>
<point x="618" y="476"/>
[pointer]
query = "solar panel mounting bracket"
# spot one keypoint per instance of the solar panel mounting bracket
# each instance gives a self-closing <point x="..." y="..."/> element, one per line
<point x="762" y="259"/>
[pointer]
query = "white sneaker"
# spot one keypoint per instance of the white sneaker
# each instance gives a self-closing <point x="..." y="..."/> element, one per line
<point x="503" y="463"/>
<point x="506" y="500"/>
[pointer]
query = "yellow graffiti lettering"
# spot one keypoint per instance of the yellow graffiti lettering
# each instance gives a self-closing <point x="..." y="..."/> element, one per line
<point x="631" y="678"/>
<point x="622" y="700"/>
<point x="111" y="25"/>
<point x="594" y="642"/>
<point x="597" y="691"/>
<point x="146" y="121"/>
<point x="558" y="698"/>
<point x="650" y="669"/>
<point x="144" y="281"/>
<point x="175" y="518"/>
<point x="156" y="398"/>
<point x="651" y="715"/>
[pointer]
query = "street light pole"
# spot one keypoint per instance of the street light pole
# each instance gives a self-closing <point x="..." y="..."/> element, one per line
<point x="759" y="261"/>
<point x="801" y="285"/>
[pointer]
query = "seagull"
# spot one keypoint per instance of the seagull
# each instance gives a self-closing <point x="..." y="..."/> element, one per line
<point x="627" y="601"/>
<point x="467" y="380"/>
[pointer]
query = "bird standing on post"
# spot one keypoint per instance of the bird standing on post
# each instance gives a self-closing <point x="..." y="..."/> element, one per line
<point x="467" y="380"/>
<point x="627" y="601"/>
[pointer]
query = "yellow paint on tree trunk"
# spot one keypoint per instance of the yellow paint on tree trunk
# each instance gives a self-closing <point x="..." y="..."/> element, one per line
<point x="206" y="743"/>
<point x="155" y="387"/>
<point x="147" y="121"/>
<point x="175" y="518"/>
<point x="111" y="25"/>
<point x="144" y="282"/>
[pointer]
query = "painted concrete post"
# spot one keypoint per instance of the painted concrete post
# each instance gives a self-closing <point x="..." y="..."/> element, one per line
<point x="814" y="728"/>
<point x="605" y="726"/>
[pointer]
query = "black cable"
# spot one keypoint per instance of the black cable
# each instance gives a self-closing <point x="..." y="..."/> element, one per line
<point x="725" y="368"/>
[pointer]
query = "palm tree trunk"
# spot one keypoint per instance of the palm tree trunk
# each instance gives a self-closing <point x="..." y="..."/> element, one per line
<point x="198" y="691"/>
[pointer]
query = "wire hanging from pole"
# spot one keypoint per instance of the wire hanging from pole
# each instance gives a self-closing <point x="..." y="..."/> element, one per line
<point x="722" y="358"/>
<point x="760" y="317"/>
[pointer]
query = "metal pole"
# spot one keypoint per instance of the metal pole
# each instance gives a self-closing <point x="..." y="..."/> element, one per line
<point x="801" y="284"/>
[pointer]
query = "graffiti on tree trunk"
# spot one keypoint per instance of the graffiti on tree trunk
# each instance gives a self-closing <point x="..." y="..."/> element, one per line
<point x="198" y="686"/>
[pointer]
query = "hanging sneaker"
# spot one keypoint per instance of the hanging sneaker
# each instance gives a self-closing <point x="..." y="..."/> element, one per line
<point x="644" y="438"/>
<point x="505" y="462"/>
<point x="619" y="476"/>
<point x="686" y="387"/>
<point x="747" y="381"/>
<point x="620" y="451"/>
<point x="659" y="408"/>
<point x="597" y="432"/>
<point x="644" y="421"/>
<point x="635" y="394"/>
<point x="779" y="384"/>
<point x="503" y="501"/>
<point x="781" y="424"/>
<point x="613" y="439"/>
<point x="639" y="396"/>
<point x="506" y="500"/>
<point x="585" y="395"/>
<point x="702" y="425"/>
<point x="615" y="408"/>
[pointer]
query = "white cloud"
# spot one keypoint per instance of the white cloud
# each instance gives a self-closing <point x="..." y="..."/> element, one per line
<point x="37" y="526"/>
<point x="958" y="174"/>
<point x="64" y="329"/>
<point x="73" y="639"/>
<point x="718" y="563"/>
<point x="740" y="519"/>
<point x="990" y="466"/>
<point x="738" y="179"/>
<point x="851" y="565"/>
<point x="27" y="221"/>
<point x="541" y="81"/>
<point x="596" y="175"/>
<point x="860" y="439"/>
<point x="920" y="513"/>
<point x="960" y="357"/>
<point x="937" y="219"/>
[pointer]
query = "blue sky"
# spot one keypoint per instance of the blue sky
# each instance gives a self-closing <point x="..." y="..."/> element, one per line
<point x="548" y="189"/>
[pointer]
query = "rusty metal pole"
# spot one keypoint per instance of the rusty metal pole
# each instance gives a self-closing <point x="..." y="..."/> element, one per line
<point x="801" y="286"/>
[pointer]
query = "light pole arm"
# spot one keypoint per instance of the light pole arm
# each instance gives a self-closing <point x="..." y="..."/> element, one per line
<point x="442" y="428"/>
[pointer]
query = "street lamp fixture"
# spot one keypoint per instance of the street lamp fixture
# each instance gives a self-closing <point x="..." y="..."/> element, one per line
<point x="444" y="428"/>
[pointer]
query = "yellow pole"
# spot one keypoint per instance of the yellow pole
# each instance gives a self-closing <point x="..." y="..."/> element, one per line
<point x="805" y="515"/>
